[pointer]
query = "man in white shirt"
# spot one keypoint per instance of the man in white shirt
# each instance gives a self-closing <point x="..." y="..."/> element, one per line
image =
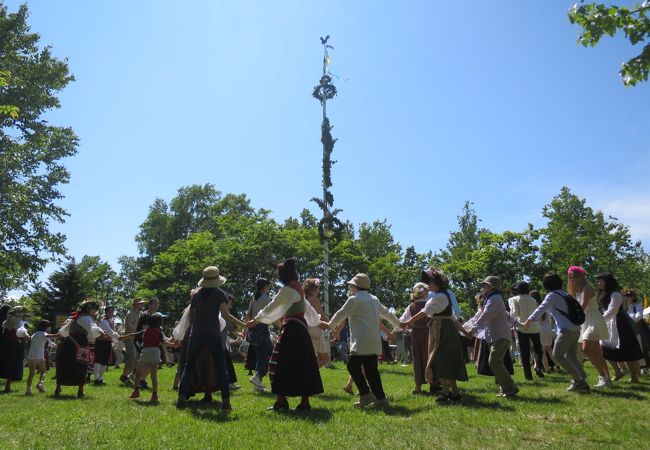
<point x="363" y="311"/>
<point x="522" y="306"/>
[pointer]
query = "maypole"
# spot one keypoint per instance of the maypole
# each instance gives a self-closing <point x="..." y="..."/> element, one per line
<point x="324" y="91"/>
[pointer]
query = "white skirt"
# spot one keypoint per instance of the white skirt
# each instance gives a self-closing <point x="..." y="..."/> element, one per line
<point x="318" y="340"/>
<point x="595" y="328"/>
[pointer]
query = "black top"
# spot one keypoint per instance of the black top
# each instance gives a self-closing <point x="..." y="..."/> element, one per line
<point x="205" y="309"/>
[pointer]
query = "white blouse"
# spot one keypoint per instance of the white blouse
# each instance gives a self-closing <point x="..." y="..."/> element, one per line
<point x="88" y="324"/>
<point x="436" y="304"/>
<point x="281" y="303"/>
<point x="106" y="326"/>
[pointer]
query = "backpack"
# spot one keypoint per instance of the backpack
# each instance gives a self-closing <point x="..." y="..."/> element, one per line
<point x="576" y="314"/>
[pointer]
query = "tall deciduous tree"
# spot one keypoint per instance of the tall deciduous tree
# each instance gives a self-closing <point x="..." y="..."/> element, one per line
<point x="31" y="150"/>
<point x="578" y="235"/>
<point x="597" y="20"/>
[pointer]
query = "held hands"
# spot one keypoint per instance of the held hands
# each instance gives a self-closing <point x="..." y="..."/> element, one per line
<point x="250" y="323"/>
<point x="526" y="324"/>
<point x="324" y="325"/>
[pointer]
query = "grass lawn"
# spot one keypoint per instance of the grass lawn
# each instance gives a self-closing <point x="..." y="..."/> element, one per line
<point x="543" y="416"/>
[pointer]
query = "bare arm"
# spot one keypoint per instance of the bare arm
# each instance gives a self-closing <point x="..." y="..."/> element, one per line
<point x="315" y="303"/>
<point x="587" y="295"/>
<point x="226" y="315"/>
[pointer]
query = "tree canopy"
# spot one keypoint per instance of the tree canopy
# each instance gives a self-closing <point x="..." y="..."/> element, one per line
<point x="598" y="20"/>
<point x="32" y="150"/>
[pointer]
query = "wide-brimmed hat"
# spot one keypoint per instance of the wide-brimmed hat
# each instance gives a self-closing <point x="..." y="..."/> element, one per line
<point x="17" y="310"/>
<point x="419" y="290"/>
<point x="492" y="281"/>
<point x="360" y="280"/>
<point x="211" y="278"/>
<point x="138" y="301"/>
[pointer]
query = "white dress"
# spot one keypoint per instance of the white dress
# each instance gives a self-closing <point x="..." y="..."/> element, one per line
<point x="595" y="327"/>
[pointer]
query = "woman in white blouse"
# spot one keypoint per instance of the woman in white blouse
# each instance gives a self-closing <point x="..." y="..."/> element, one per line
<point x="635" y="311"/>
<point x="293" y="369"/>
<point x="77" y="332"/>
<point x="12" y="351"/>
<point x="446" y="360"/>
<point x="622" y="347"/>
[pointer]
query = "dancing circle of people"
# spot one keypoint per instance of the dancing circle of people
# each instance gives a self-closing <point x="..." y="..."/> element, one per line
<point x="562" y="327"/>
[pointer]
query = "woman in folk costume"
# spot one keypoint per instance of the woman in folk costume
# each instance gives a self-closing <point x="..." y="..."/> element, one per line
<point x="622" y="345"/>
<point x="104" y="346"/>
<point x="635" y="311"/>
<point x="293" y="369"/>
<point x="311" y="287"/>
<point x="205" y="378"/>
<point x="594" y="329"/>
<point x="79" y="330"/>
<point x="446" y="361"/>
<point x="419" y="335"/>
<point x="13" y="352"/>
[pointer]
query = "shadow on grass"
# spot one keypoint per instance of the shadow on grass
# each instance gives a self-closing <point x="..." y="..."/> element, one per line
<point x="69" y="397"/>
<point x="315" y="415"/>
<point x="395" y="371"/>
<point x="207" y="411"/>
<point x="549" y="400"/>
<point x="397" y="410"/>
<point x="618" y="394"/>
<point x="470" y="401"/>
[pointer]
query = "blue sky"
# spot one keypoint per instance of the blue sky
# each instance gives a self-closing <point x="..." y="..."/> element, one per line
<point x="492" y="102"/>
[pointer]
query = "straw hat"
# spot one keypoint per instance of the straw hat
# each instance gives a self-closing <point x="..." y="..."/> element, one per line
<point x="211" y="278"/>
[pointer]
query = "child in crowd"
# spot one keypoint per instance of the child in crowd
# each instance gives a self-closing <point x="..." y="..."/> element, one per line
<point x="36" y="355"/>
<point x="149" y="361"/>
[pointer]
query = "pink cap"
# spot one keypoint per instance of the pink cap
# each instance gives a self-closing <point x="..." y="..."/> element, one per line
<point x="577" y="269"/>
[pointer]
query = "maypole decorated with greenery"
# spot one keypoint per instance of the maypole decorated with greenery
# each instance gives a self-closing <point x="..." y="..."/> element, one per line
<point x="329" y="224"/>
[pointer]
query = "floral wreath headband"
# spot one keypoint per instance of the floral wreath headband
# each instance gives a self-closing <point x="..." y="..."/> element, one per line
<point x="577" y="269"/>
<point x="419" y="290"/>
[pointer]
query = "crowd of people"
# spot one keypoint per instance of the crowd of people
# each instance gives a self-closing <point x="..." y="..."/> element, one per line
<point x="604" y="325"/>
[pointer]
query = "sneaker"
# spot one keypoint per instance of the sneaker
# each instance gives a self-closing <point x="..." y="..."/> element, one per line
<point x="234" y="387"/>
<point x="381" y="403"/>
<point x="573" y="386"/>
<point x="603" y="382"/>
<point x="135" y="393"/>
<point x="365" y="400"/>
<point x="40" y="388"/>
<point x="259" y="389"/>
<point x="99" y="383"/>
<point x="125" y="380"/>
<point x="256" y="381"/>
